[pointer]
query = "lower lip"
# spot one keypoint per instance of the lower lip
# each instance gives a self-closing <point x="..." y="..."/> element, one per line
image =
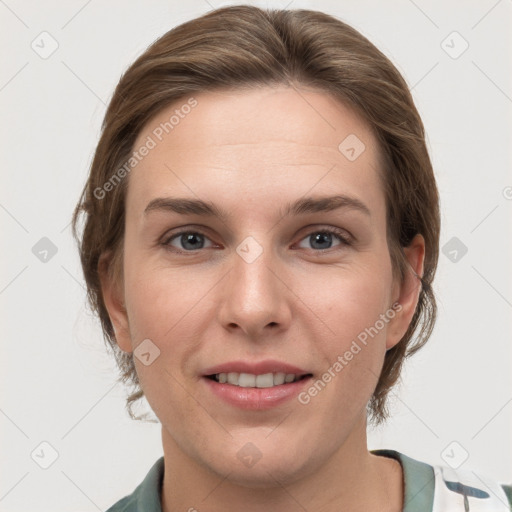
<point x="256" y="398"/>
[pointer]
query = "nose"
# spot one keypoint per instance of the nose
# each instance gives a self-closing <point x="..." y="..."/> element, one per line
<point x="255" y="298"/>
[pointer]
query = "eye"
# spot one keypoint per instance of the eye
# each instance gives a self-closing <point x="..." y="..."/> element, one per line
<point x="187" y="241"/>
<point x="323" y="239"/>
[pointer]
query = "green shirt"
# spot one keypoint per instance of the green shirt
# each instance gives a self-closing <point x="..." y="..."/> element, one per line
<point x="419" y="485"/>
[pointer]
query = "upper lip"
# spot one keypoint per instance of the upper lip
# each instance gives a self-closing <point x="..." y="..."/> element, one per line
<point x="255" y="368"/>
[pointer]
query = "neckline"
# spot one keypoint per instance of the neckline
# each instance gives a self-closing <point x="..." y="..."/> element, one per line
<point x="418" y="481"/>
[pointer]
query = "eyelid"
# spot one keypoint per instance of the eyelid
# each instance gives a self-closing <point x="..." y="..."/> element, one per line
<point x="345" y="238"/>
<point x="340" y="232"/>
<point x="168" y="237"/>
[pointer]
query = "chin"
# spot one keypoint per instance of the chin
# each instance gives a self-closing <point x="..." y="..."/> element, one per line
<point x="274" y="471"/>
<point x="263" y="462"/>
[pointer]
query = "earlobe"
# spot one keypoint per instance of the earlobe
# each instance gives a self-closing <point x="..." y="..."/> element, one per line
<point x="113" y="299"/>
<point x="408" y="291"/>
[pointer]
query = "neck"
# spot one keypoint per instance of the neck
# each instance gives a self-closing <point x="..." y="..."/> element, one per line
<point x="351" y="479"/>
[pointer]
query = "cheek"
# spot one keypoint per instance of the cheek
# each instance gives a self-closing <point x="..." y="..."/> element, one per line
<point x="164" y="307"/>
<point x="172" y="310"/>
<point x="353" y="300"/>
<point x="159" y="298"/>
<point x="355" y="306"/>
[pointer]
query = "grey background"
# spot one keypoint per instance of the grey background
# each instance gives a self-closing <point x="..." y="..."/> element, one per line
<point x="58" y="383"/>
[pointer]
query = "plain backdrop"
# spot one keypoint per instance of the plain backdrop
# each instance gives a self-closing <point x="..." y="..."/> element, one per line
<point x="58" y="382"/>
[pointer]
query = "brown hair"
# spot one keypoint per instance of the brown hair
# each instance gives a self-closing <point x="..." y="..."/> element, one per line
<point x="244" y="46"/>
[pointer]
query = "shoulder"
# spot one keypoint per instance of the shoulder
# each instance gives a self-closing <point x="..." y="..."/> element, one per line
<point x="435" y="488"/>
<point x="146" y="497"/>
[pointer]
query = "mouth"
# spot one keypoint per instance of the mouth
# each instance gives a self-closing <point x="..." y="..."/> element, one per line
<point x="250" y="380"/>
<point x="255" y="386"/>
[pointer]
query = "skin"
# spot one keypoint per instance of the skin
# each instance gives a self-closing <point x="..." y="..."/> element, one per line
<point x="251" y="152"/>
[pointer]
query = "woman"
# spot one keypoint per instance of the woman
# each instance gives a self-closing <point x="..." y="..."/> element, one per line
<point x="261" y="230"/>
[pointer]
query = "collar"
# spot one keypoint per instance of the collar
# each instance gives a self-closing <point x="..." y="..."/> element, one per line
<point x="418" y="486"/>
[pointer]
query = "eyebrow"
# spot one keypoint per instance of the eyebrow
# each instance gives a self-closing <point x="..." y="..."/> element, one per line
<point x="305" y="205"/>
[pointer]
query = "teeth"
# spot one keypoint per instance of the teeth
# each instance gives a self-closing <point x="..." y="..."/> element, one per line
<point x="248" y="380"/>
<point x="264" y="381"/>
<point x="279" y="378"/>
<point x="233" y="378"/>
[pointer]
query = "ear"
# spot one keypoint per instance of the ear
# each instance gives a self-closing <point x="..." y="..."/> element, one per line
<point x="113" y="297"/>
<point x="407" y="293"/>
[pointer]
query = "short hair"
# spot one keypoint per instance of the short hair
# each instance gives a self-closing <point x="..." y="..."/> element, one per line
<point x="241" y="47"/>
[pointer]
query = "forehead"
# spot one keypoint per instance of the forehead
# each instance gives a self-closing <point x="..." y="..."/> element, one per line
<point x="268" y="141"/>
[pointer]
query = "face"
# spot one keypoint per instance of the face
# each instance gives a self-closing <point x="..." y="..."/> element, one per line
<point x="266" y="277"/>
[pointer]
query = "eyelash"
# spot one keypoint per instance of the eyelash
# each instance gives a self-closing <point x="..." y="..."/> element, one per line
<point x="340" y="234"/>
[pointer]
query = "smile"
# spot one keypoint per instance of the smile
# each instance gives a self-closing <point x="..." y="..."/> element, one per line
<point x="249" y="380"/>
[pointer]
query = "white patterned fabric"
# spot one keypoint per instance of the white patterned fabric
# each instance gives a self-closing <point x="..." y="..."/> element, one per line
<point x="463" y="491"/>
